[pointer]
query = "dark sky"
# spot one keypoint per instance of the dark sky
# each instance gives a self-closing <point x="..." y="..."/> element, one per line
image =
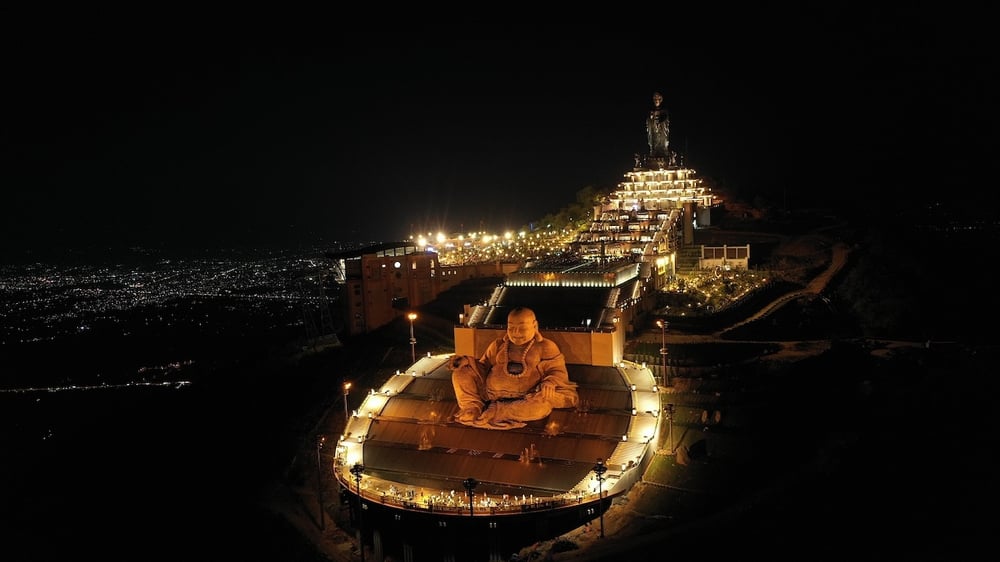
<point x="174" y="130"/>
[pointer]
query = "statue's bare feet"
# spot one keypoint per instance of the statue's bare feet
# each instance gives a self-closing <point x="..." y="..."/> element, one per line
<point x="493" y="418"/>
<point x="468" y="416"/>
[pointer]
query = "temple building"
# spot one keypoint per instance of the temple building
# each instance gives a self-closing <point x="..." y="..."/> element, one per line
<point x="421" y="486"/>
<point x="653" y="213"/>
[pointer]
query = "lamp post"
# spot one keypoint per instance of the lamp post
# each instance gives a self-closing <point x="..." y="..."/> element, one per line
<point x="599" y="469"/>
<point x="347" y="390"/>
<point x="356" y="470"/>
<point x="319" y="480"/>
<point x="663" y="324"/>
<point x="670" y="427"/>
<point x="470" y="485"/>
<point x="413" y="341"/>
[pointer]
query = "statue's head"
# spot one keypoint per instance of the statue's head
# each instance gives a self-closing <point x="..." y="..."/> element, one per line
<point x="657" y="98"/>
<point x="521" y="325"/>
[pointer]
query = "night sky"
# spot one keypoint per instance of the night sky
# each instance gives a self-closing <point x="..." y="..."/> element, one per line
<point x="205" y="131"/>
<point x="209" y="129"/>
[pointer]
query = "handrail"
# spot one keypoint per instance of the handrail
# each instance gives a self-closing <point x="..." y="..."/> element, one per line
<point x="458" y="504"/>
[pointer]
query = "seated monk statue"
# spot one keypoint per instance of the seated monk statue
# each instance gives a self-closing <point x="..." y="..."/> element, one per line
<point x="521" y="377"/>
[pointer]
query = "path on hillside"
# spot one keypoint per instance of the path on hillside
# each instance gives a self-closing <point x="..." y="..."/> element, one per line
<point x="839" y="255"/>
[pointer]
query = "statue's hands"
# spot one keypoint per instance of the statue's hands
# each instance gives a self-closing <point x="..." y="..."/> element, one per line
<point x="547" y="390"/>
<point x="458" y="361"/>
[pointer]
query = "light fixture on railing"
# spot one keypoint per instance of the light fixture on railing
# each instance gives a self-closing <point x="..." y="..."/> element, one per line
<point x="599" y="469"/>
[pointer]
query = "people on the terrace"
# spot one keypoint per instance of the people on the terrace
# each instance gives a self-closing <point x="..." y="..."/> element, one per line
<point x="521" y="377"/>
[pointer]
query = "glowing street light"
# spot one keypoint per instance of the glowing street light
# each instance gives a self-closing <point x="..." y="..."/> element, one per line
<point x="663" y="324"/>
<point x="470" y="486"/>
<point x="356" y="470"/>
<point x="347" y="390"/>
<point x="413" y="341"/>
<point x="320" y="439"/>
<point x="599" y="469"/>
